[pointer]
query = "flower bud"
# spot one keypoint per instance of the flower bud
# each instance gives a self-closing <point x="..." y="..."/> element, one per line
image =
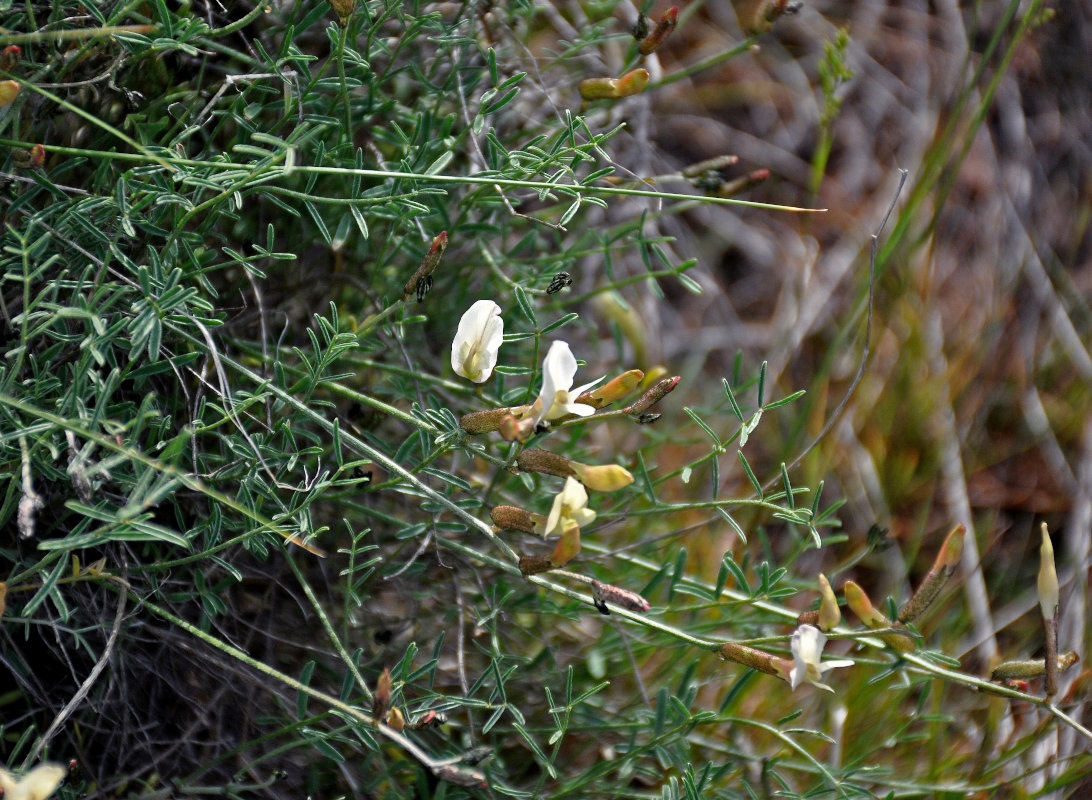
<point x="768" y="12"/>
<point x="9" y="56"/>
<point x="422" y="278"/>
<point x="604" y="593"/>
<point x="1048" y="605"/>
<point x="829" y="613"/>
<point x="602" y="478"/>
<point x="862" y="606"/>
<point x="662" y="30"/>
<point x="858" y="600"/>
<point x="382" y="701"/>
<point x="613" y="390"/>
<point x="343" y="9"/>
<point x="652" y="396"/>
<point x="8" y="92"/>
<point x="1048" y="577"/>
<point x="430" y="719"/>
<point x="396" y="720"/>
<point x="631" y="83"/>
<point x="739" y="185"/>
<point x="516" y="427"/>
<point x="715" y="164"/>
<point x="460" y="776"/>
<point x="809" y="617"/>
<point x="3" y="597"/>
<point x="37" y="155"/>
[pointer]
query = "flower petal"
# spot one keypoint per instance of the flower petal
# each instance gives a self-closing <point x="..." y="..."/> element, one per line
<point x="477" y="341"/>
<point x="558" y="371"/>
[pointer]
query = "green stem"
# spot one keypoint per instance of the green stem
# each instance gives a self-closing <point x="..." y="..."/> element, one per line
<point x="334" y="639"/>
<point x="186" y="479"/>
<point x="344" y="89"/>
<point x="241" y="23"/>
<point x="701" y="66"/>
<point x="483" y="180"/>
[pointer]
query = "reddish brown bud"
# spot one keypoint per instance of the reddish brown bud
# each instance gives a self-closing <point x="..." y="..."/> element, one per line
<point x="945" y="564"/>
<point x="422" y="279"/>
<point x="768" y="12"/>
<point x="662" y="30"/>
<point x="740" y="185"/>
<point x="604" y="593"/>
<point x="652" y="396"/>
<point x="382" y="701"/>
<point x="37" y="155"/>
<point x="343" y="9"/>
<point x="808" y="617"/>
<point x="709" y="165"/>
<point x="460" y="776"/>
<point x="9" y="56"/>
<point x="430" y="719"/>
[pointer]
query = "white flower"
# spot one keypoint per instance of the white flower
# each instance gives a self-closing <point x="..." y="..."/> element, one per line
<point x="558" y="398"/>
<point x="38" y="784"/>
<point x="807" y="648"/>
<point x="474" y="350"/>
<point x="570" y="508"/>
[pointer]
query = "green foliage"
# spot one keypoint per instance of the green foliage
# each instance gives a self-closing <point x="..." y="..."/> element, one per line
<point x="834" y="71"/>
<point x="238" y="484"/>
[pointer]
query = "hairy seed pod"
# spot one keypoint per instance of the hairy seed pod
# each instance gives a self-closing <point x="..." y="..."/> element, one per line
<point x="604" y="593"/>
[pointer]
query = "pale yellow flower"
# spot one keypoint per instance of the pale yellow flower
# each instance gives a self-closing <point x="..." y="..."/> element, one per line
<point x="807" y="650"/>
<point x="38" y="784"/>
<point x="570" y="508"/>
